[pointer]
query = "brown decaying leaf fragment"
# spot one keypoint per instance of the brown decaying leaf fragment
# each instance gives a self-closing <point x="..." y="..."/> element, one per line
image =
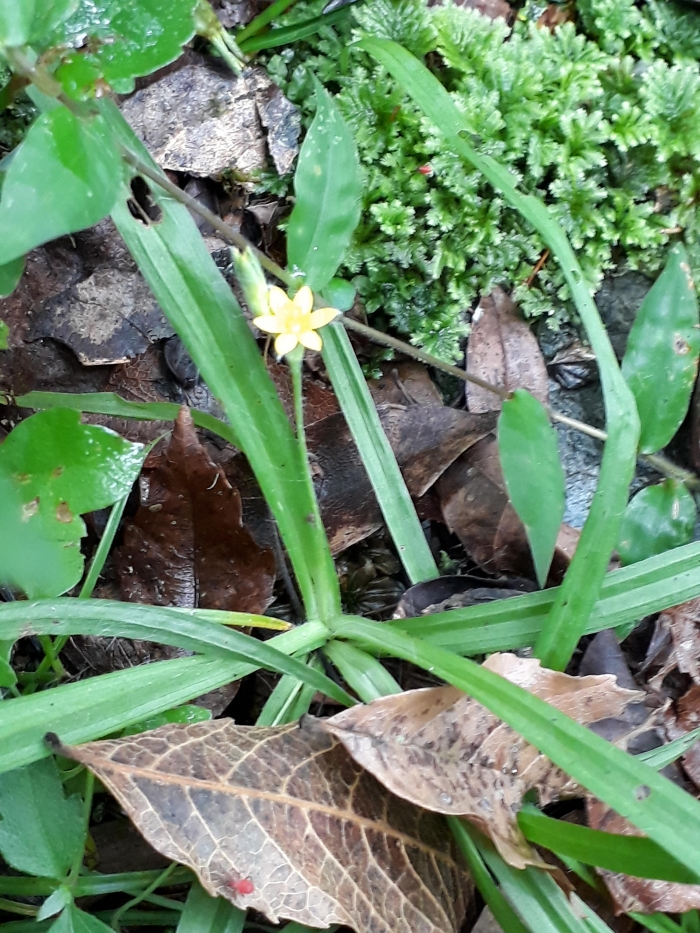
<point x="682" y="624"/>
<point x="442" y="750"/>
<point x="642" y="895"/>
<point x="681" y="720"/>
<point x="503" y="350"/>
<point x="187" y="545"/>
<point x="476" y="507"/>
<point x="317" y="839"/>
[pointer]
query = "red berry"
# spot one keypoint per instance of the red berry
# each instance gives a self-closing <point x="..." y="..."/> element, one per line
<point x="425" y="169"/>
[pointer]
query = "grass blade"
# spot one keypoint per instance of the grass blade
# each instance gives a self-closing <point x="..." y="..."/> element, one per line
<point x="630" y="855"/>
<point x="502" y="911"/>
<point x="109" y="403"/>
<point x="579" y="592"/>
<point x="80" y="712"/>
<point x="328" y="189"/>
<point x="199" y="303"/>
<point x="152" y="623"/>
<point x="626" y="596"/>
<point x="378" y="458"/>
<point x="529" y="453"/>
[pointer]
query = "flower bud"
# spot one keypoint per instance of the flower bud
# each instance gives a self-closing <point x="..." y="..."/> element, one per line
<point x="251" y="278"/>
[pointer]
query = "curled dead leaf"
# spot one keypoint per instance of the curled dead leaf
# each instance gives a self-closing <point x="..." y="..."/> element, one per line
<point x="444" y="751"/>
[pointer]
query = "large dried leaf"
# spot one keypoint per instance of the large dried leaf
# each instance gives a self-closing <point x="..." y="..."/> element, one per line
<point x="642" y="895"/>
<point x="187" y="545"/>
<point x="503" y="350"/>
<point x="442" y="750"/>
<point x="283" y="821"/>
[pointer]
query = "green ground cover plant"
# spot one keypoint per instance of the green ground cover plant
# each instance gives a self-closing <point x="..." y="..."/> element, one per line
<point x="598" y="118"/>
<point x="73" y="168"/>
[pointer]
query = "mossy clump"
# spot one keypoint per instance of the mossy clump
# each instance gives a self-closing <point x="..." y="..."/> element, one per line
<point x="599" y="117"/>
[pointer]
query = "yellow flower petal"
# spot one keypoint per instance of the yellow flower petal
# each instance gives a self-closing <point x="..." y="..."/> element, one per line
<point x="321" y="317"/>
<point x="285" y="343"/>
<point x="269" y="323"/>
<point x="311" y="340"/>
<point x="279" y="300"/>
<point x="304" y="299"/>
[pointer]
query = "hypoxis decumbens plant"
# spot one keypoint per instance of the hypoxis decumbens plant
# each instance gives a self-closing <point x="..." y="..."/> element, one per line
<point x="601" y="119"/>
<point x="74" y="167"/>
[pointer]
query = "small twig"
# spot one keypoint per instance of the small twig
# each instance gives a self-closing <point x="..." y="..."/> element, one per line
<point x="227" y="232"/>
<point x="535" y="272"/>
<point x="657" y="461"/>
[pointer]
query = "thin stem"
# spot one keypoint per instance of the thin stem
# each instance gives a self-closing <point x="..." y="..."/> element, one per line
<point x="377" y="336"/>
<point x="657" y="461"/>
<point x="294" y="361"/>
<point x="103" y="548"/>
<point x="157" y="883"/>
<point x="74" y="872"/>
<point x="228" y="54"/>
<point x="263" y="19"/>
<point x="228" y="233"/>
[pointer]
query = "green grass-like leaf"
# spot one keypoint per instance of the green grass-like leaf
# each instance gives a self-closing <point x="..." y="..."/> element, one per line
<point x="661" y="359"/>
<point x="529" y="453"/>
<point x="377" y="456"/>
<point x="80" y="712"/>
<point x="199" y="303"/>
<point x="328" y="188"/>
<point x="577" y="595"/>
<point x="630" y="855"/>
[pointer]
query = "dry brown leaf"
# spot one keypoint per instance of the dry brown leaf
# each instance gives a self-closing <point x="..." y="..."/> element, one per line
<point x="642" y="895"/>
<point x="476" y="507"/>
<point x="425" y="442"/>
<point x="682" y="624"/>
<point x="187" y="545"/>
<point x="444" y="751"/>
<point x="313" y="837"/>
<point x="682" y="720"/>
<point x="503" y="350"/>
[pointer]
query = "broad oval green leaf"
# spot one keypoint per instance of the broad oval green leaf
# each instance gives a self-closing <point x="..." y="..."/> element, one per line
<point x="4" y="335"/>
<point x="48" y="15"/>
<point x="10" y="274"/>
<point x="41" y="832"/>
<point x="125" y="40"/>
<point x="16" y="21"/>
<point x="328" y="187"/>
<point x="24" y="21"/>
<point x="661" y="360"/>
<point x="340" y="294"/>
<point x="657" y="519"/>
<point x="65" y="176"/>
<point x="52" y="470"/>
<point x="74" y="920"/>
<point x="534" y="477"/>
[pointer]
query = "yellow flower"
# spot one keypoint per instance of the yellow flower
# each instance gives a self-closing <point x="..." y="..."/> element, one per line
<point x="294" y="320"/>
